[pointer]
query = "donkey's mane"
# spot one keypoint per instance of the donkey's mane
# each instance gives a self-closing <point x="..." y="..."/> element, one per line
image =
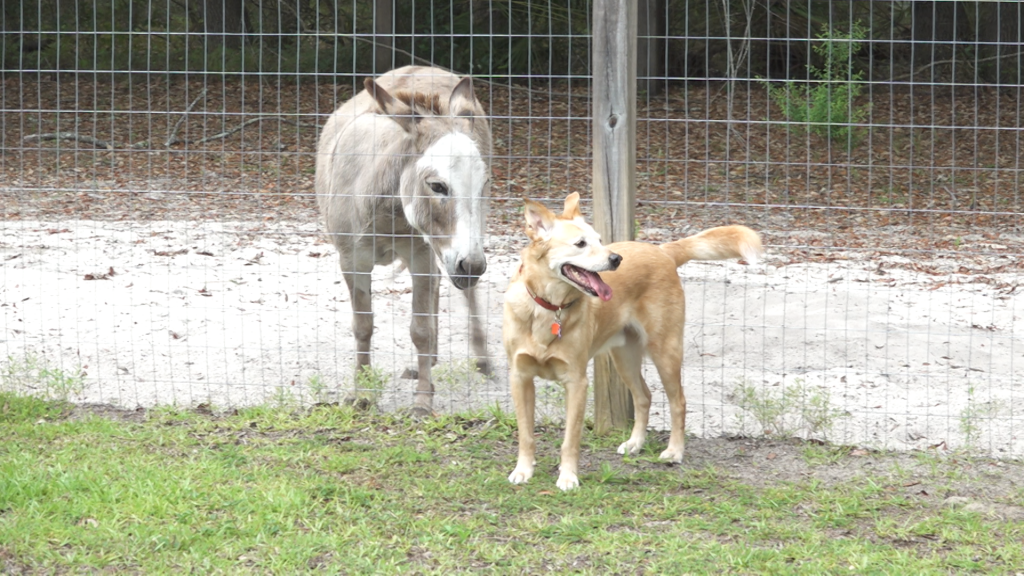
<point x="423" y="101"/>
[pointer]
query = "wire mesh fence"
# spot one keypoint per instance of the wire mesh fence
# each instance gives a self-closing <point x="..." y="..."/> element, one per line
<point x="162" y="244"/>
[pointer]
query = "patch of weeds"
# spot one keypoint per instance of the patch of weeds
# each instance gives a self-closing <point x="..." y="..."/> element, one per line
<point x="972" y="415"/>
<point x="282" y="399"/>
<point x="608" y="474"/>
<point x="825" y="105"/>
<point x="458" y="374"/>
<point x="370" y="384"/>
<point x="792" y="410"/>
<point x="318" y="389"/>
<point x="817" y="412"/>
<point x="768" y="409"/>
<point x="33" y="375"/>
<point x="504" y="422"/>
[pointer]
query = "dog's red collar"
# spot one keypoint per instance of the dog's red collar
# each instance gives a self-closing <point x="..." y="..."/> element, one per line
<point x="542" y="302"/>
<point x="548" y="305"/>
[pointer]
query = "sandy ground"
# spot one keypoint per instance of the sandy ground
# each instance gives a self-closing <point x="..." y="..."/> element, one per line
<point x="861" y="350"/>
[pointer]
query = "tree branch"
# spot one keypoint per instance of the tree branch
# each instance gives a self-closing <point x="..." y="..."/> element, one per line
<point x="105" y="145"/>
<point x="171" y="138"/>
<point x="102" y="144"/>
<point x="241" y="126"/>
<point x="953" y="61"/>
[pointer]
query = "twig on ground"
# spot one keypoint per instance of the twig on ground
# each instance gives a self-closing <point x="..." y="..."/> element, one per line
<point x="103" y="144"/>
<point x="241" y="126"/>
<point x="70" y="136"/>
<point x="171" y="137"/>
<point x="953" y="61"/>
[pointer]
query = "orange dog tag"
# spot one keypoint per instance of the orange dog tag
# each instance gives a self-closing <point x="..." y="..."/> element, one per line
<point x="556" y="329"/>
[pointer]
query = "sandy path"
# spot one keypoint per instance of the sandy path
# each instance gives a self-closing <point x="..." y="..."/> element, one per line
<point x="234" y="314"/>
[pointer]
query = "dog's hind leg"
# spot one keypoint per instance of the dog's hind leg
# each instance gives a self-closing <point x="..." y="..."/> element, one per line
<point x="523" y="396"/>
<point x="667" y="354"/>
<point x="628" y="360"/>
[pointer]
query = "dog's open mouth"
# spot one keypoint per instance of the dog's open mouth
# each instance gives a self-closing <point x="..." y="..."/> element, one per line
<point x="588" y="281"/>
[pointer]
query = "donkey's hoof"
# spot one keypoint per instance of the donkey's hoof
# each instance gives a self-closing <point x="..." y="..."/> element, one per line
<point x="483" y="366"/>
<point x="410" y="374"/>
<point x="420" y="412"/>
<point x="361" y="403"/>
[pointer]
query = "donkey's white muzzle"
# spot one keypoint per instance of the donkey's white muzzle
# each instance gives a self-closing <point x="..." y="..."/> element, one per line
<point x="465" y="271"/>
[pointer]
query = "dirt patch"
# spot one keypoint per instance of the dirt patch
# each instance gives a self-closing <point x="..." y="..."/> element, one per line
<point x="918" y="475"/>
<point x="108" y="412"/>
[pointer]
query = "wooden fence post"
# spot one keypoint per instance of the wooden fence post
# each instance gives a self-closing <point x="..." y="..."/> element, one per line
<point x="614" y="186"/>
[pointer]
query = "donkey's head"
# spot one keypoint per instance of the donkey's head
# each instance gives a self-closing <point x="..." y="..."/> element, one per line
<point x="444" y="191"/>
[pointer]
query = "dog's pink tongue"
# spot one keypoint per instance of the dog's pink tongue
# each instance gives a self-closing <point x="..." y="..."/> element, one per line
<point x="604" y="291"/>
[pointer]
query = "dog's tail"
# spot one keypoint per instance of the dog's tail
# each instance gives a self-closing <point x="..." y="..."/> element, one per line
<point x="719" y="243"/>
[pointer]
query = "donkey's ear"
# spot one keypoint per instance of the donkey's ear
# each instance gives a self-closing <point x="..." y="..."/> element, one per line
<point x="462" y="102"/>
<point x="539" y="221"/>
<point x="572" y="207"/>
<point x="399" y="111"/>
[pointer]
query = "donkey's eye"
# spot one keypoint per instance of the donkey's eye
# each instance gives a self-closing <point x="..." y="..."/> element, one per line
<point x="581" y="244"/>
<point x="439" y="188"/>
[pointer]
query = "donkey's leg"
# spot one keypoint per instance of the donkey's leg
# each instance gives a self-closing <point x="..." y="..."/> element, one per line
<point x="477" y="333"/>
<point x="425" y="295"/>
<point x="357" y="270"/>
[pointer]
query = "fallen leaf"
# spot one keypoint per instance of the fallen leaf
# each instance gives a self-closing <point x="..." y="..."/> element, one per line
<point x="101" y="275"/>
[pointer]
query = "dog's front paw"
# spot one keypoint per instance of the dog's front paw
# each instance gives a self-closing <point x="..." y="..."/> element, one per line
<point x="672" y="455"/>
<point x="567" y="481"/>
<point x="520" y="475"/>
<point x="630" y="447"/>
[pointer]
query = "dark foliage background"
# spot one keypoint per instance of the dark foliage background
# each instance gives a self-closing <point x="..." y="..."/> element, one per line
<point x="735" y="39"/>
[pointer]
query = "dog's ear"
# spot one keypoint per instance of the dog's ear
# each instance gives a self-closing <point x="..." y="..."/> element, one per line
<point x="399" y="111"/>
<point x="572" y="207"/>
<point x="539" y="220"/>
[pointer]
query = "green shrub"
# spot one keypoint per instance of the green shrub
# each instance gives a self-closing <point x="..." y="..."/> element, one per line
<point x="826" y="105"/>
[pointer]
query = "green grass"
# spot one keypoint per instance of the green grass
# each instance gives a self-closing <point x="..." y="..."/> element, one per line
<point x="334" y="490"/>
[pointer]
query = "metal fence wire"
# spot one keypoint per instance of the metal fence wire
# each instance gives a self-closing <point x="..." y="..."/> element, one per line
<point x="161" y="242"/>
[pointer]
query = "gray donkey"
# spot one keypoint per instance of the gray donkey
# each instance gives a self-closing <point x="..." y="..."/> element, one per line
<point x="403" y="172"/>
